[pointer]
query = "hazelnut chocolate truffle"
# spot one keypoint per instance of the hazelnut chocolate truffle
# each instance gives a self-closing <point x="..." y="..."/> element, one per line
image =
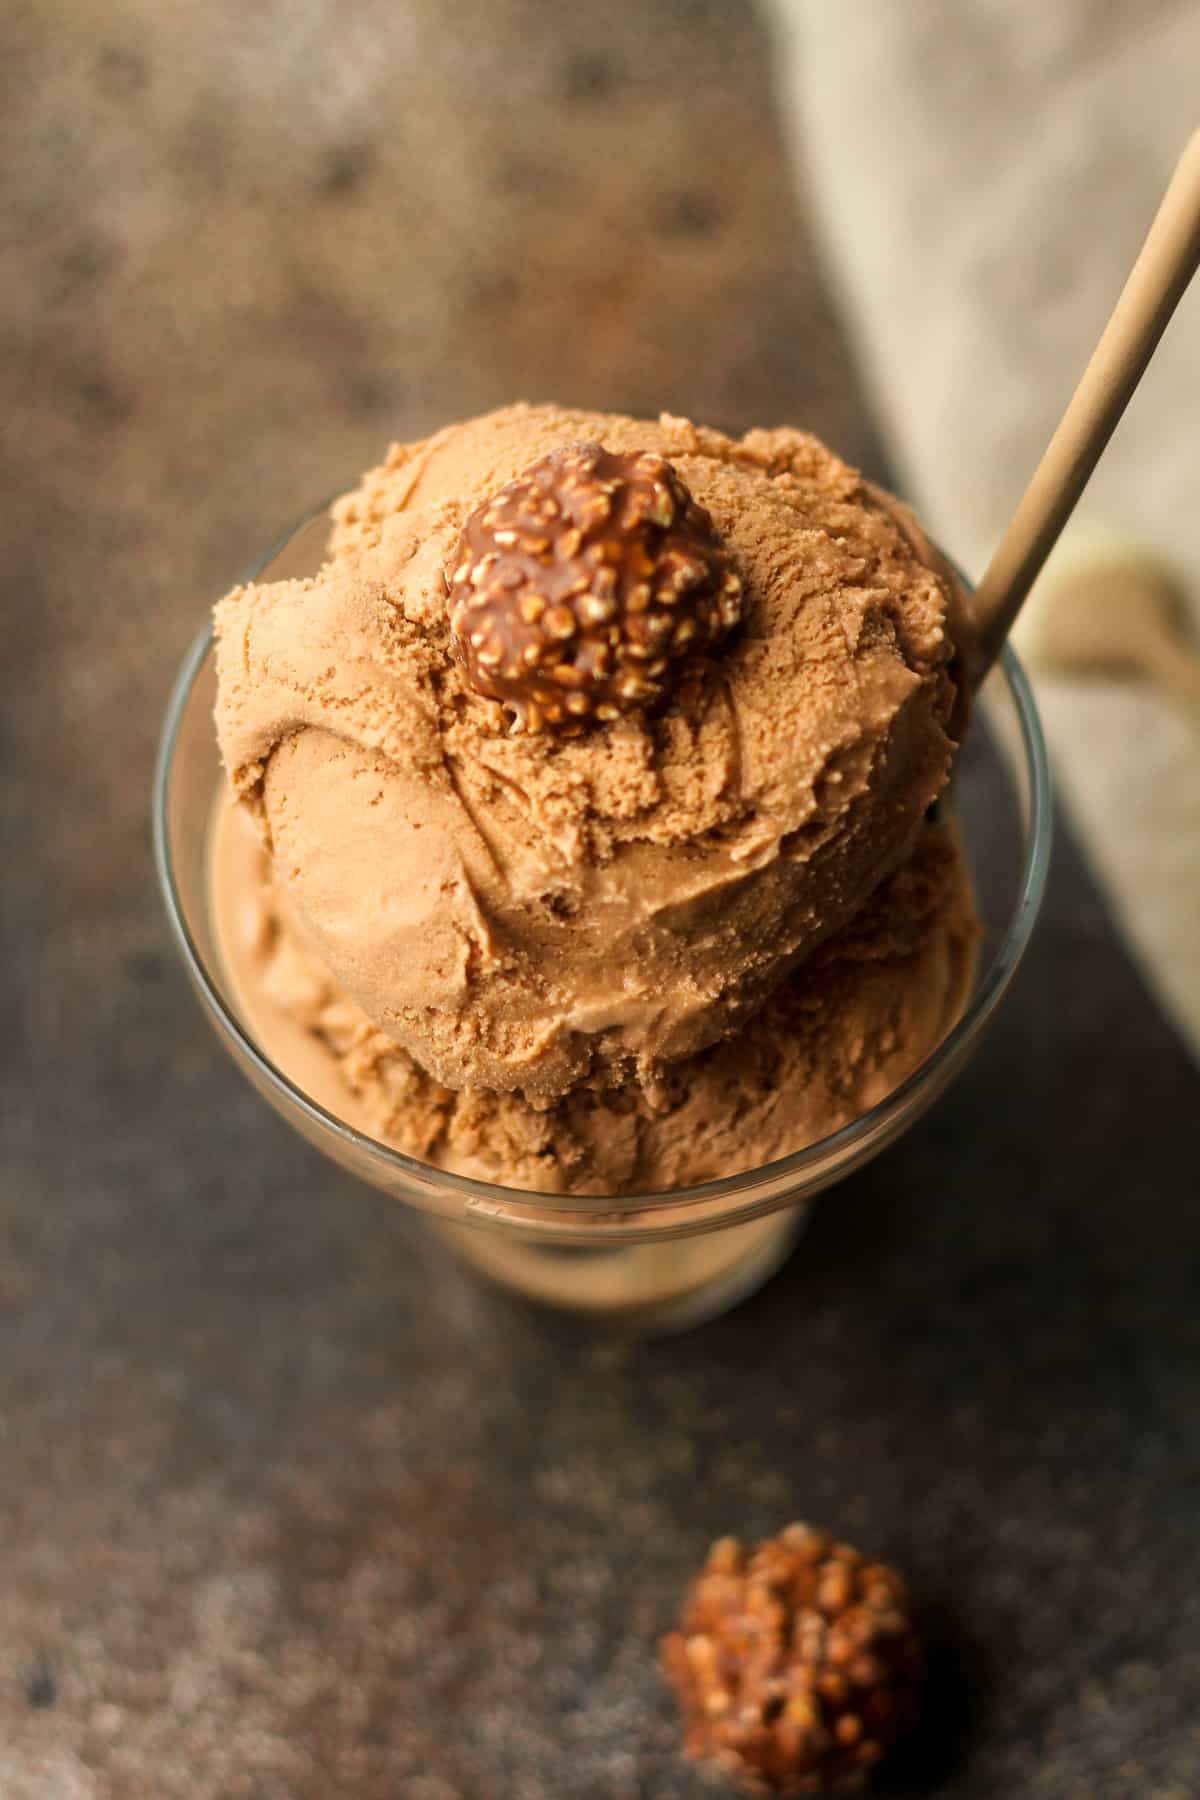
<point x="797" y="1664"/>
<point x="549" y="909"/>
<point x="584" y="584"/>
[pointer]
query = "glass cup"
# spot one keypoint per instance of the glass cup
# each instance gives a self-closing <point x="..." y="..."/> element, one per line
<point x="648" y="1262"/>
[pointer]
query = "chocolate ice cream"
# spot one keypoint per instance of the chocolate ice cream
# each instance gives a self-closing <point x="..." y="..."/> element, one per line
<point x="567" y="915"/>
<point x="835" y="1037"/>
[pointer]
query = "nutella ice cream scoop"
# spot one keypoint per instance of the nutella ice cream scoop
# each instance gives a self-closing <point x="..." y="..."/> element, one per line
<point x="835" y="1038"/>
<point x="603" y="890"/>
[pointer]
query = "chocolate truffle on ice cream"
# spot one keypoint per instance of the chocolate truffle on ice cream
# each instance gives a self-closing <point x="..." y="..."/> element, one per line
<point x="585" y="584"/>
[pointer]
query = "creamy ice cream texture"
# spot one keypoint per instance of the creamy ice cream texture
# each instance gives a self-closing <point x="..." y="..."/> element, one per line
<point x="545" y="926"/>
<point x="835" y="1038"/>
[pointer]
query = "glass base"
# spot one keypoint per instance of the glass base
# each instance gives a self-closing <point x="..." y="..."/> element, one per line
<point x="649" y="1290"/>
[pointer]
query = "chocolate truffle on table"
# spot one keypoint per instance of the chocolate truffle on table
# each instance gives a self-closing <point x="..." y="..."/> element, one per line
<point x="797" y="1665"/>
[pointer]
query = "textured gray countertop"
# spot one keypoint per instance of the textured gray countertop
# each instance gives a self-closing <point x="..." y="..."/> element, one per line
<point x="289" y="1507"/>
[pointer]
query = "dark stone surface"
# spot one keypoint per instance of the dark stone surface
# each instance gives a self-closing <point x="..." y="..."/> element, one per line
<point x="290" y="1508"/>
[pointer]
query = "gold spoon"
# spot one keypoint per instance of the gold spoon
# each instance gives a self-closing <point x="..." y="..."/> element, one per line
<point x="1122" y="614"/>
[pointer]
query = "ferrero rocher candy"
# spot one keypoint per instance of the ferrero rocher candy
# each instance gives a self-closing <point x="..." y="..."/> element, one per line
<point x="796" y="1664"/>
<point x="582" y="587"/>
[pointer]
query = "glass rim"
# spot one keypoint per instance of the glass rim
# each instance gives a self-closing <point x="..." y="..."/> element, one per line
<point x="486" y="1198"/>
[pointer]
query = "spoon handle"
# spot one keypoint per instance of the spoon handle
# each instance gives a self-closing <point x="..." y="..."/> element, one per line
<point x="1166" y="263"/>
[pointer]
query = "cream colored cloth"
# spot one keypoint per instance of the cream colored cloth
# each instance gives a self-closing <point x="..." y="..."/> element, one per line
<point x="983" y="175"/>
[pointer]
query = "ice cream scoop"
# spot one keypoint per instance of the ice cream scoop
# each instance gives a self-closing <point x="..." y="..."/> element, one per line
<point x="538" y="911"/>
<point x="858" y="1017"/>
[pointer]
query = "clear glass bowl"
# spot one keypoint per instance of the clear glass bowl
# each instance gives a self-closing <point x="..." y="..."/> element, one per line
<point x="650" y="1262"/>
